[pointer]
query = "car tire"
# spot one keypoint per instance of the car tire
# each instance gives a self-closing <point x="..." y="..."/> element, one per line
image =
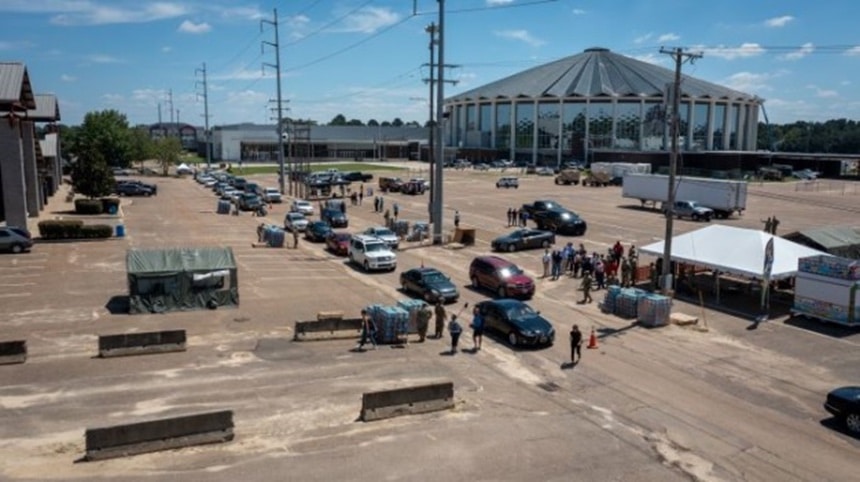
<point x="503" y="293"/>
<point x="17" y="248"/>
<point x="512" y="338"/>
<point x="852" y="423"/>
<point x="475" y="284"/>
<point x="511" y="248"/>
<point x="545" y="244"/>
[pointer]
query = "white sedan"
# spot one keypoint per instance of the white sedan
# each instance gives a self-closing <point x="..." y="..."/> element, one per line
<point x="303" y="207"/>
<point x="295" y="221"/>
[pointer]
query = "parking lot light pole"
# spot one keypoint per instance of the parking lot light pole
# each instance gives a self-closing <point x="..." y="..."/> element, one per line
<point x="439" y="155"/>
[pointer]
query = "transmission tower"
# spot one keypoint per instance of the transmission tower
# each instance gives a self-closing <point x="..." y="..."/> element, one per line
<point x="279" y="101"/>
<point x="205" y="95"/>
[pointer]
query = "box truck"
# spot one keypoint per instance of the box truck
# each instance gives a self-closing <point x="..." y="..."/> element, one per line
<point x="724" y="197"/>
<point x="827" y="288"/>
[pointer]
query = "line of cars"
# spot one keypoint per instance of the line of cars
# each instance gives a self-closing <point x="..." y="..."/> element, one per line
<point x="245" y="195"/>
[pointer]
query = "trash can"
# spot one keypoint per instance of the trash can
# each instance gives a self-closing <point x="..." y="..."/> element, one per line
<point x="120" y="230"/>
<point x="112" y="209"/>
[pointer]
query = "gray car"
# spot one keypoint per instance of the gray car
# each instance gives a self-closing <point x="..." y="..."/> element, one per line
<point x="15" y="239"/>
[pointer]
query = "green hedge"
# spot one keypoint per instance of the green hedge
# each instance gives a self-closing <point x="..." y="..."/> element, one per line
<point x="88" y="206"/>
<point x="73" y="229"/>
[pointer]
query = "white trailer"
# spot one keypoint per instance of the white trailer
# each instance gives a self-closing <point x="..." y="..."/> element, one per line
<point x="725" y="197"/>
<point x="827" y="288"/>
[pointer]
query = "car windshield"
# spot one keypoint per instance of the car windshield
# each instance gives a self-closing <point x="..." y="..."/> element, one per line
<point x="509" y="271"/>
<point x="520" y="311"/>
<point x="302" y="204"/>
<point x="342" y="237"/>
<point x="435" y="277"/>
<point x="375" y="247"/>
<point x="384" y="232"/>
<point x="295" y="216"/>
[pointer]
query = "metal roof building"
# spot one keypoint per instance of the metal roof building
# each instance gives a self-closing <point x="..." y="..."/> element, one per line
<point x="597" y="100"/>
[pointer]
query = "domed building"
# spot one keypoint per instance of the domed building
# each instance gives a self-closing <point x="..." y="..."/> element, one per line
<point x="596" y="101"/>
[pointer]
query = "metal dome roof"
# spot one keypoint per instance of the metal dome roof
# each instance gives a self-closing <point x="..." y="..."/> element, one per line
<point x="597" y="72"/>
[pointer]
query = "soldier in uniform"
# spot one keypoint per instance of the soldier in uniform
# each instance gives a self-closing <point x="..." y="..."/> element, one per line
<point x="625" y="272"/>
<point x="440" y="319"/>
<point x="586" y="288"/>
<point x="423" y="322"/>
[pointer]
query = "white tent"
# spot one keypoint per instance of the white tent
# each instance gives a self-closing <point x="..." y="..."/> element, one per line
<point x="734" y="250"/>
<point x="184" y="169"/>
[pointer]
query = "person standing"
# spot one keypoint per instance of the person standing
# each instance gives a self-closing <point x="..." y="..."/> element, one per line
<point x="477" y="328"/>
<point x="546" y="260"/>
<point x="456" y="218"/>
<point x="381" y="203"/>
<point x="423" y="322"/>
<point x="575" y="345"/>
<point x="556" y="264"/>
<point x="455" y="330"/>
<point x="586" y="288"/>
<point x="768" y="224"/>
<point x="625" y="273"/>
<point x="509" y="216"/>
<point x="295" y="237"/>
<point x="774" y="225"/>
<point x="387" y="217"/>
<point x="396" y="211"/>
<point x="440" y="319"/>
<point x="600" y="273"/>
<point x="368" y="331"/>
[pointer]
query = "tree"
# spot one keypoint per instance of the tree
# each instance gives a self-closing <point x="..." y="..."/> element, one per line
<point x="339" y="120"/>
<point x="373" y="123"/>
<point x="91" y="175"/>
<point x="397" y="122"/>
<point x="167" y="151"/>
<point x="355" y="122"/>
<point x="107" y="133"/>
<point x="141" y="144"/>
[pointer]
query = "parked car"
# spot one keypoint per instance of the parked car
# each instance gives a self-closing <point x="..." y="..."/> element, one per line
<point x="384" y="234"/>
<point x="545" y="171"/>
<point x="295" y="221"/>
<point x="844" y="404"/>
<point x="508" y="181"/>
<point x="249" y="201"/>
<point x="691" y="210"/>
<point x="272" y="195"/>
<point x="371" y="253"/>
<point x="317" y="231"/>
<point x="338" y="242"/>
<point x="133" y="189"/>
<point x="356" y="176"/>
<point x="561" y="221"/>
<point x="525" y="238"/>
<point x="412" y="187"/>
<point x="302" y="206"/>
<point x="500" y="276"/>
<point x="15" y="239"/>
<point x="228" y="194"/>
<point x="335" y="218"/>
<point x="430" y="284"/>
<point x="518" y="322"/>
<point x="391" y="184"/>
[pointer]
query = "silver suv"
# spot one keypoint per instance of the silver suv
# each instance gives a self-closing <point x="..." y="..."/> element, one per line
<point x="371" y="253"/>
<point x="15" y="239"/>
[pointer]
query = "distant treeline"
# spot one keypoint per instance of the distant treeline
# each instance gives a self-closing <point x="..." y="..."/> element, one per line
<point x="840" y="136"/>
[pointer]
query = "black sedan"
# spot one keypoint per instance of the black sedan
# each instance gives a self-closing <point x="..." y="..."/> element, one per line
<point x="517" y="322"/>
<point x="317" y="231"/>
<point x="430" y="284"/>
<point x="523" y="239"/>
<point x="844" y="404"/>
<point x="561" y="221"/>
<point x="335" y="218"/>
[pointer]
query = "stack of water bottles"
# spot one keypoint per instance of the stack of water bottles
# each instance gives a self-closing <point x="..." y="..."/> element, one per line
<point x="412" y="307"/>
<point x="273" y="236"/>
<point x="627" y="302"/>
<point x="654" y="310"/>
<point x="392" y="323"/>
<point x="609" y="299"/>
<point x="224" y="206"/>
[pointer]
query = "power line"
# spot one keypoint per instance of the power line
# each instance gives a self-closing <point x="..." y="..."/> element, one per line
<point x="333" y="22"/>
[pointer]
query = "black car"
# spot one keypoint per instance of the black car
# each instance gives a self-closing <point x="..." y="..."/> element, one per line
<point x="844" y="404"/>
<point x="525" y="238"/>
<point x="133" y="189"/>
<point x="317" y="231"/>
<point x="518" y="322"/>
<point x="561" y="221"/>
<point x="249" y="201"/>
<point x="356" y="176"/>
<point x="335" y="218"/>
<point x="430" y="284"/>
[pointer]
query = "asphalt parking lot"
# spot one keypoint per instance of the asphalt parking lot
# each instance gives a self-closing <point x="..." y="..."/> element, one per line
<point x="729" y="403"/>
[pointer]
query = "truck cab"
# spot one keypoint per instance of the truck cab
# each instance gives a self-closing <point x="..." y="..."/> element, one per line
<point x="692" y="210"/>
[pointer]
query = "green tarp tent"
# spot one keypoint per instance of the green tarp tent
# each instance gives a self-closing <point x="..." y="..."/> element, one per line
<point x="179" y="279"/>
<point x="842" y="241"/>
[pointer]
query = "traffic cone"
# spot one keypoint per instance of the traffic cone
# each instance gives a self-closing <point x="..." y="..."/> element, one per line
<point x="592" y="340"/>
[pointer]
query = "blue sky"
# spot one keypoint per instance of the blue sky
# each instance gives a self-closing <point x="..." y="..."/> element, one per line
<point x="363" y="58"/>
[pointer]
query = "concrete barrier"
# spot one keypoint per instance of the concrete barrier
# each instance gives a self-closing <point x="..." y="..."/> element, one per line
<point x="141" y="343"/>
<point x="407" y="401"/>
<point x="330" y="325"/>
<point x="13" y="352"/>
<point x="164" y="434"/>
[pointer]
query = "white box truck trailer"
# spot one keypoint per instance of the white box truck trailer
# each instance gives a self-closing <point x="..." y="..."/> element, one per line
<point x="827" y="288"/>
<point x="724" y="197"/>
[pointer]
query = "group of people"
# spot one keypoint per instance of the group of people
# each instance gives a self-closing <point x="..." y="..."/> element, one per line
<point x="596" y="270"/>
<point x="423" y="316"/>
<point x="356" y="197"/>
<point x="518" y="217"/>
<point x="770" y="225"/>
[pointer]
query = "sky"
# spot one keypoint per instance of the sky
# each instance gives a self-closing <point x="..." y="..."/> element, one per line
<point x="367" y="59"/>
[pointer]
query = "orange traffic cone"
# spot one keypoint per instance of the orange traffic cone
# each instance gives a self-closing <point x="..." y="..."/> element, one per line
<point x="592" y="340"/>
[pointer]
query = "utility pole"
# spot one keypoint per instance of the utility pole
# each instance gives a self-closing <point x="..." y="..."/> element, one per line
<point x="280" y="110"/>
<point x="206" y="134"/>
<point x="170" y="101"/>
<point x="431" y="123"/>
<point x="439" y="155"/>
<point x="679" y="56"/>
<point x="159" y="116"/>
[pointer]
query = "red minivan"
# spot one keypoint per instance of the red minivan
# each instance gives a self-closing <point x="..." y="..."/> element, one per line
<point x="503" y="278"/>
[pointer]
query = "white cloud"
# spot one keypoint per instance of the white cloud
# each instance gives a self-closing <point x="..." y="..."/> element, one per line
<point x="800" y="53"/>
<point x="747" y="49"/>
<point x="243" y="73"/>
<point x="777" y="22"/>
<point x="749" y="82"/>
<point x="845" y="82"/>
<point x="370" y="19"/>
<point x="102" y="59"/>
<point x="15" y="45"/>
<point x="853" y="50"/>
<point x="643" y="38"/>
<point x="578" y="11"/>
<point x="85" y="12"/>
<point x="822" y="93"/>
<point x="149" y="96"/>
<point x="67" y="78"/>
<point x="112" y="99"/>
<point x="521" y="35"/>
<point x="188" y="26"/>
<point x="166" y="49"/>
<point x="668" y="37"/>
<point x="652" y="58"/>
<point x="247" y="13"/>
<point x="495" y="3"/>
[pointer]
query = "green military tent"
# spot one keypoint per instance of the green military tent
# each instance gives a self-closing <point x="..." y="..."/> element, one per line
<point x="179" y="279"/>
<point x="842" y="241"/>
